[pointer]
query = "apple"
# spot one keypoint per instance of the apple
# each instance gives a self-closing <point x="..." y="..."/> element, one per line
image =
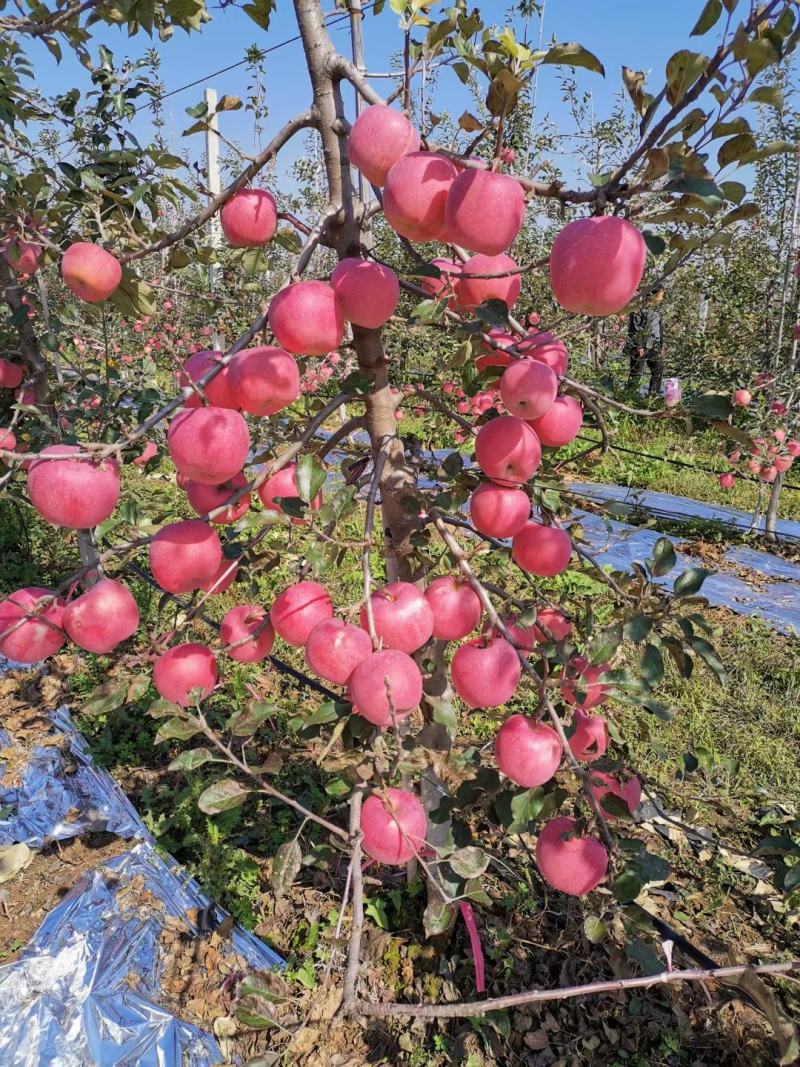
<point x="284" y="484"/>
<point x="473" y="291"/>
<point x="206" y="498"/>
<point x="507" y="450"/>
<point x="726" y="480"/>
<point x="27" y="256"/>
<point x="415" y="195"/>
<point x="497" y="510"/>
<point x="218" y="391"/>
<point x="368" y="292"/>
<point x="484" y="211"/>
<point x="560" y="424"/>
<point x="247" y="626"/>
<point x="780" y="463"/>
<point x="544" y="347"/>
<point x="379" y="137"/>
<point x="306" y="318"/>
<point x="74" y="493"/>
<point x="249" y="219"/>
<point x="456" y="607"/>
<point x="264" y="380"/>
<point x="527" y="752"/>
<point x="630" y="791"/>
<point x="222" y="578"/>
<point x="379" y="675"/>
<point x="742" y="397"/>
<point x="335" y="648"/>
<point x="393" y="826"/>
<point x="150" y="451"/>
<point x="579" y="675"/>
<point x="102" y="617"/>
<point x="298" y="609"/>
<point x="528" y="388"/>
<point x="11" y="374"/>
<point x="8" y="440"/>
<point x="596" y="264"/>
<point x="185" y="554"/>
<point x="90" y="272"/>
<point x="208" y="445"/>
<point x="446" y="284"/>
<point x="541" y="550"/>
<point x="569" y="861"/>
<point x="589" y="739"/>
<point x="182" y="669"/>
<point x="485" y="672"/>
<point x="37" y="638"/>
<point x="403" y="616"/>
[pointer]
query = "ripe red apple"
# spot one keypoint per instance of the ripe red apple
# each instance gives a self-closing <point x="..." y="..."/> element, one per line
<point x="403" y="617"/>
<point x="284" y="484"/>
<point x="726" y="480"/>
<point x="578" y="675"/>
<point x="102" y="617"/>
<point x="596" y="264"/>
<point x="298" y="609"/>
<point x="456" y="607"/>
<point x="415" y="195"/>
<point x="218" y="391"/>
<point x="589" y="739"/>
<point x="507" y="450"/>
<point x="392" y="670"/>
<point x="560" y="424"/>
<point x="26" y="258"/>
<point x="484" y="211"/>
<point x="74" y="493"/>
<point x="368" y="292"/>
<point x="780" y="463"/>
<point x="571" y="864"/>
<point x="379" y="137"/>
<point x="601" y="784"/>
<point x="10" y="374"/>
<point x="554" y="622"/>
<point x="528" y="388"/>
<point x="335" y="648"/>
<point x="527" y="752"/>
<point x="542" y="550"/>
<point x="742" y="397"/>
<point x="90" y="272"/>
<point x="250" y="625"/>
<point x="8" y="440"/>
<point x="208" y="445"/>
<point x="445" y="285"/>
<point x="544" y="347"/>
<point x="250" y="218"/>
<point x="222" y="578"/>
<point x="793" y="448"/>
<point x="150" y="451"/>
<point x="206" y="498"/>
<point x="393" y="825"/>
<point x="37" y="638"/>
<point x="183" y="669"/>
<point x="306" y="318"/>
<point x="497" y="510"/>
<point x="474" y="291"/>
<point x="264" y="380"/>
<point x="185" y="554"/>
<point x="485" y="672"/>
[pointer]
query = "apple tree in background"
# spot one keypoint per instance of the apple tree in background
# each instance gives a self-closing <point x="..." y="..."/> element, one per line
<point x="462" y="604"/>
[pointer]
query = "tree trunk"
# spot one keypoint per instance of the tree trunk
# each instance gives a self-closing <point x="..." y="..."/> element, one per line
<point x="771" y="516"/>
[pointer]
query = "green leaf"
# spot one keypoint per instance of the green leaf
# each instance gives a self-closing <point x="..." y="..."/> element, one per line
<point x="761" y="53"/>
<point x="252" y="1019"/>
<point x="691" y="581"/>
<point x="571" y="54"/>
<point x="594" y="929"/>
<point x="652" y="664"/>
<point x="627" y="887"/>
<point x="771" y="95"/>
<point x="735" y="148"/>
<point x="310" y="477"/>
<point x="469" y="862"/>
<point x="245" y="721"/>
<point x="616" y="806"/>
<point x="711" y="405"/>
<point x="503" y="92"/>
<point x="106" y="698"/>
<point x="222" y="796"/>
<point x="177" y="727"/>
<point x="708" y="18"/>
<point x="604" y="644"/>
<point x="683" y="70"/>
<point x="639" y="953"/>
<point x="438" y="918"/>
<point x="773" y="148"/>
<point x="285" y="866"/>
<point x="655" y="244"/>
<point x="708" y="654"/>
<point x="638" y="628"/>
<point x="664" y="558"/>
<point x="191" y="759"/>
<point x="493" y="312"/>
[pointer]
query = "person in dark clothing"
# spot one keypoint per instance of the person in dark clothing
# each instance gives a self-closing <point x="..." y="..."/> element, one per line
<point x="645" y="342"/>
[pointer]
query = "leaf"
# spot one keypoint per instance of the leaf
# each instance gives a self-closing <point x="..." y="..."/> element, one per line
<point x="469" y="123"/>
<point x="627" y="887"/>
<point x="638" y="628"/>
<point x="708" y="654"/>
<point x="640" y="953"/>
<point x="711" y="405"/>
<point x="493" y="312"/>
<point x="634" y="80"/>
<point x="594" y="929"/>
<point x="683" y="70"/>
<point x="137" y="687"/>
<point x="245" y="721"/>
<point x="503" y="92"/>
<point x="222" y="796"/>
<point x="655" y="244"/>
<point x="743" y="211"/>
<point x="229" y="103"/>
<point x="691" y="581"/>
<point x="604" y="644"/>
<point x="773" y="148"/>
<point x="469" y="862"/>
<point x="616" y="806"/>
<point x="177" y="727"/>
<point x="735" y="149"/>
<point x="310" y="477"/>
<point x="285" y="866"/>
<point x="771" y="95"/>
<point x="652" y="664"/>
<point x="664" y="558"/>
<point x="571" y="54"/>
<point x="708" y="18"/>
<point x="107" y="697"/>
<point x="761" y="53"/>
<point x="438" y="918"/>
<point x="191" y="759"/>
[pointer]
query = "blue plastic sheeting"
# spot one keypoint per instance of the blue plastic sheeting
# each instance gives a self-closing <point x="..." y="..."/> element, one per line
<point x="775" y="602"/>
<point x="86" y="989"/>
<point x="680" y="508"/>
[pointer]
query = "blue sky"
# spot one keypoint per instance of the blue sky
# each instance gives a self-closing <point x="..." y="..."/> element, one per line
<point x="631" y="32"/>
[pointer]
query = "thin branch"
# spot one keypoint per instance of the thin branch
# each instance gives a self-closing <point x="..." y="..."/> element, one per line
<point x="356" y="423"/>
<point x="369" y="520"/>
<point x="357" y="885"/>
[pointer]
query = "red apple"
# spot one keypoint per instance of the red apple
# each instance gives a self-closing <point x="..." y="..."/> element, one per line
<point x="403" y="617"/>
<point x="497" y="510"/>
<point x="601" y="784"/>
<point x="528" y="388"/>
<point x="247" y="626"/>
<point x="306" y="318"/>
<point x="74" y="493"/>
<point x="380" y="675"/>
<point x="8" y="440"/>
<point x="415" y="195"/>
<point x="250" y="218"/>
<point x="218" y="391"/>
<point x="335" y="648"/>
<point x="543" y="346"/>
<point x="393" y="825"/>
<point x="560" y="424"/>
<point x="742" y="397"/>
<point x="507" y="450"/>
<point x="264" y="380"/>
<point x="284" y="484"/>
<point x="90" y="272"/>
<point x="379" y="137"/>
<point x="222" y="578"/>
<point x="527" y="752"/>
<point x="298" y="609"/>
<point x="542" y="550"/>
<point x="578" y="675"/>
<point x="589" y="739"/>
<point x="185" y="554"/>
<point x="37" y="638"/>
<point x="596" y="264"/>
<point x="484" y="211"/>
<point x="572" y="864"/>
<point x="182" y="669"/>
<point x="726" y="480"/>
<point x="208" y="445"/>
<point x="11" y="374"/>
<point x="206" y="498"/>
<point x="102" y="617"/>
<point x="456" y="607"/>
<point x="485" y="672"/>
<point x="445" y="285"/>
<point x="473" y="291"/>
<point x="368" y="292"/>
